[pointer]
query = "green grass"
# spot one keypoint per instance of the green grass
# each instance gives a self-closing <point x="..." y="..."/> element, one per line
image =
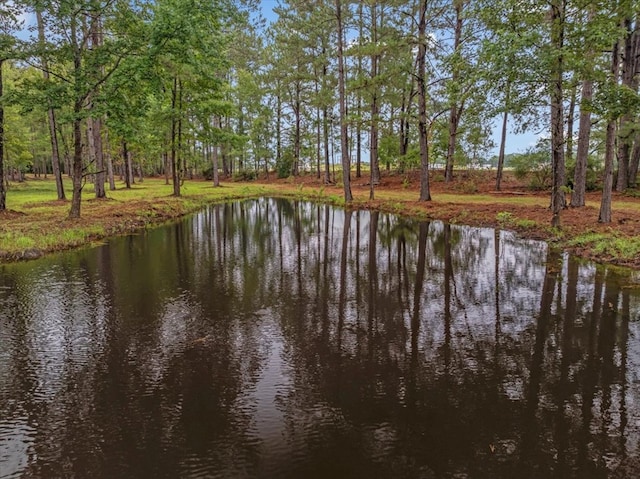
<point x="609" y="245"/>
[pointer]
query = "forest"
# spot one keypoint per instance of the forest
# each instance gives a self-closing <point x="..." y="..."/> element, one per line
<point x="94" y="89"/>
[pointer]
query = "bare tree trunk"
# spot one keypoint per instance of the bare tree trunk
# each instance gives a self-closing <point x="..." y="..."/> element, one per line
<point x="96" y="42"/>
<point x="607" y="187"/>
<point x="279" y="124"/>
<point x="570" y="121"/>
<point x="503" y="136"/>
<point x="55" y="153"/>
<point x="633" y="164"/>
<point x="109" y="161"/>
<point x="295" y="169"/>
<point x="425" y="193"/>
<point x="77" y="177"/>
<point x="557" y="117"/>
<point x="126" y="164"/>
<point x="454" y="114"/>
<point x="216" y="176"/>
<point x="3" y="191"/>
<point x="325" y="121"/>
<point x="610" y="143"/>
<point x="167" y="166"/>
<point x="344" y="140"/>
<point x="174" y="160"/>
<point x="582" y="153"/>
<point x="373" y="137"/>
<point x="76" y="198"/>
<point x="318" y="133"/>
<point x="359" y="100"/>
<point x="629" y="79"/>
<point x="94" y="138"/>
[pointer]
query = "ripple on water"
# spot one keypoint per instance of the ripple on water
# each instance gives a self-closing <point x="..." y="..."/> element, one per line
<point x="16" y="438"/>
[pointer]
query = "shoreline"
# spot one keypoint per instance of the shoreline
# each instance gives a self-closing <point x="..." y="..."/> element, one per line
<point x="38" y="226"/>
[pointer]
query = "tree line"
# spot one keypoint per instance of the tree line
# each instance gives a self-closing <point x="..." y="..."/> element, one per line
<point x="179" y="88"/>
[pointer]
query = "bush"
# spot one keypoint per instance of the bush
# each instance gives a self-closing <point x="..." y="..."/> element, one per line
<point x="245" y="175"/>
<point x="535" y="165"/>
<point x="594" y="172"/>
<point x="284" y="164"/>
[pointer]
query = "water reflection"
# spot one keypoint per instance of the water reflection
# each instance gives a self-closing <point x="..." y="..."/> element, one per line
<point x="271" y="338"/>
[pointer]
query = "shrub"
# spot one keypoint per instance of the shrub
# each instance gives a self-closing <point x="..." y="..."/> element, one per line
<point x="284" y="164"/>
<point x="535" y="165"/>
<point x="245" y="175"/>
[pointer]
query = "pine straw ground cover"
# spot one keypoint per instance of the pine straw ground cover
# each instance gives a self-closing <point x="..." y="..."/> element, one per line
<point x="34" y="224"/>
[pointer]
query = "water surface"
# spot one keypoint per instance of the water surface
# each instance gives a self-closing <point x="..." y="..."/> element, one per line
<point x="278" y="339"/>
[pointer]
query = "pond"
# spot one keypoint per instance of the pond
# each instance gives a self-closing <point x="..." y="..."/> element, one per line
<point x="278" y="339"/>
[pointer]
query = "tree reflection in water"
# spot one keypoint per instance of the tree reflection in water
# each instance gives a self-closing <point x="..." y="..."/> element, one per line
<point x="271" y="338"/>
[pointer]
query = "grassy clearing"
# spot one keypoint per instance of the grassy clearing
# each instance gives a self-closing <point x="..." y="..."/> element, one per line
<point x="36" y="223"/>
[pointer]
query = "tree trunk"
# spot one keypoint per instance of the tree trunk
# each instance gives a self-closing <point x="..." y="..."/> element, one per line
<point x="633" y="164"/>
<point x="557" y="117"/>
<point x="3" y="191"/>
<point x="174" y="161"/>
<point x="607" y="187"/>
<point x="95" y="148"/>
<point x="359" y="101"/>
<point x="375" y="108"/>
<point x="582" y="153"/>
<point x="77" y="169"/>
<point x="109" y="161"/>
<point x="295" y="169"/>
<point x="96" y="42"/>
<point x="325" y="121"/>
<point x="454" y="114"/>
<point x="344" y="141"/>
<point x="126" y="164"/>
<point x="278" y="126"/>
<point x="610" y="143"/>
<point x="629" y="79"/>
<point x="318" y="135"/>
<point x="76" y="179"/>
<point x="570" y="121"/>
<point x="55" y="153"/>
<point x="425" y="193"/>
<point x="503" y="136"/>
<point x="167" y="166"/>
<point x="216" y="176"/>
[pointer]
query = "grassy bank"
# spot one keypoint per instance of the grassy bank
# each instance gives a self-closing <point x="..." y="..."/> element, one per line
<point x="35" y="224"/>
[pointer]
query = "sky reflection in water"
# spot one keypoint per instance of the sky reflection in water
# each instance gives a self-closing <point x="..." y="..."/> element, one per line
<point x="271" y="338"/>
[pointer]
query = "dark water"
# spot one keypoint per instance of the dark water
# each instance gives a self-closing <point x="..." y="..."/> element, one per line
<point x="288" y="340"/>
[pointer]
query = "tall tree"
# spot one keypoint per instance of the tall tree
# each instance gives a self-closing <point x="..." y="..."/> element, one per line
<point x="3" y="191"/>
<point x="51" y="116"/>
<point x="584" y="121"/>
<point x="611" y="116"/>
<point x="557" y="16"/>
<point x="425" y="190"/>
<point x="344" y="140"/>
<point x="457" y="105"/>
<point x="8" y="25"/>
